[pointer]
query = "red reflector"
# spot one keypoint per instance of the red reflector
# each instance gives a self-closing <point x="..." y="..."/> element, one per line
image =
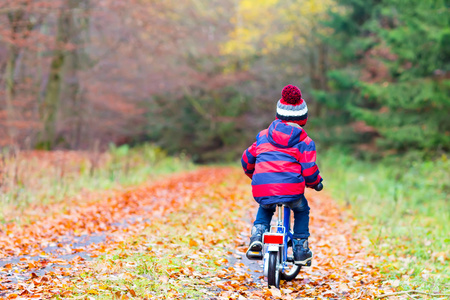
<point x="273" y="239"/>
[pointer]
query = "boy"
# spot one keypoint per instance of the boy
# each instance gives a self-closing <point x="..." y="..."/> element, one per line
<point x="280" y="163"/>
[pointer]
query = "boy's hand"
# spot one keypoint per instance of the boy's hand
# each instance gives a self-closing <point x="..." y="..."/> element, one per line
<point x="319" y="187"/>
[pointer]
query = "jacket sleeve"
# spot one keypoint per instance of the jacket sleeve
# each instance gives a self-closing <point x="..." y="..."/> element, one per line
<point x="248" y="160"/>
<point x="310" y="170"/>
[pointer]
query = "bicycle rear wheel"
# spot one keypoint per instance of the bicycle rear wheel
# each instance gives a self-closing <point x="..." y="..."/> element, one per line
<point x="273" y="274"/>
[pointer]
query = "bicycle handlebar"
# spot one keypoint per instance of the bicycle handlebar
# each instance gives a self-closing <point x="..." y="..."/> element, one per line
<point x="319" y="187"/>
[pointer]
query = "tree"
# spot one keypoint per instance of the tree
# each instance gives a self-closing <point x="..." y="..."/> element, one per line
<point x="392" y="72"/>
<point x="289" y="34"/>
<point x="20" y="20"/>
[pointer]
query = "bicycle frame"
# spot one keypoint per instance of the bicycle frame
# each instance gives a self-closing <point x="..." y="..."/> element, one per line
<point x="288" y="236"/>
<point x="275" y="248"/>
<point x="282" y="229"/>
<point x="284" y="216"/>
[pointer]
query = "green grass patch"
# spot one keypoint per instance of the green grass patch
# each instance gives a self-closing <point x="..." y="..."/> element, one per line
<point x="403" y="205"/>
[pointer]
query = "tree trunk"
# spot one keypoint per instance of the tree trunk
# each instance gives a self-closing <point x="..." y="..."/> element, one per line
<point x="13" y="53"/>
<point x="315" y="82"/>
<point x="322" y="73"/>
<point x="50" y="105"/>
<point x="74" y="61"/>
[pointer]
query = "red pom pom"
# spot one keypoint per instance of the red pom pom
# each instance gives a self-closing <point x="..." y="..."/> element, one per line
<point x="291" y="94"/>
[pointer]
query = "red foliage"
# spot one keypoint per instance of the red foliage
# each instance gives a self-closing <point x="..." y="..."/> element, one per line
<point x="121" y="55"/>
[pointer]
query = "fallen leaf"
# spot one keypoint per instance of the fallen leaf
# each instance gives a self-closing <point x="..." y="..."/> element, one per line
<point x="344" y="287"/>
<point x="275" y="292"/>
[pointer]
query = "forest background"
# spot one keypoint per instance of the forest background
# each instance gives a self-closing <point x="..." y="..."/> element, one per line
<point x="202" y="78"/>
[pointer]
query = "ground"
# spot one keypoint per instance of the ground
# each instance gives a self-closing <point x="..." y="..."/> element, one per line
<point x="183" y="237"/>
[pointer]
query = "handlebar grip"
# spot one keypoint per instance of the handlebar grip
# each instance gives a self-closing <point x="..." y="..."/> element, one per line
<point x="319" y="187"/>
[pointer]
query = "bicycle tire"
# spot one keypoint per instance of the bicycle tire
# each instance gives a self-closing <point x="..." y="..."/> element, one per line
<point x="293" y="272"/>
<point x="273" y="274"/>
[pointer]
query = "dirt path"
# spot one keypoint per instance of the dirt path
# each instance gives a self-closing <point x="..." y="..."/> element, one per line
<point x="180" y="238"/>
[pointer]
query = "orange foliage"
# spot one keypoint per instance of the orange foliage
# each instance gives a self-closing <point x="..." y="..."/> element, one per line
<point x="342" y="268"/>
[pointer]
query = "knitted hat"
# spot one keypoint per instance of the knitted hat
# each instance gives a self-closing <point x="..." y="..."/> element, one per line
<point x="291" y="107"/>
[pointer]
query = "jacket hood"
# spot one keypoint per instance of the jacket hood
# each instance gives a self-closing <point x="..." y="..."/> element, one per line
<point x="283" y="135"/>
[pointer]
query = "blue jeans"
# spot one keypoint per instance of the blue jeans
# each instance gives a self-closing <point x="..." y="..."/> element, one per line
<point x="301" y="216"/>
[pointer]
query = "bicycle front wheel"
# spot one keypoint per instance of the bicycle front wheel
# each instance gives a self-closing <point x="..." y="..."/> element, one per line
<point x="290" y="271"/>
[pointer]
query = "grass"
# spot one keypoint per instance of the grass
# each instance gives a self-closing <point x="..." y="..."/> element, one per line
<point x="35" y="178"/>
<point x="403" y="206"/>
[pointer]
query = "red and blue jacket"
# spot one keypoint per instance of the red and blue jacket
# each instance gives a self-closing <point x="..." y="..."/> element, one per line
<point x="281" y="163"/>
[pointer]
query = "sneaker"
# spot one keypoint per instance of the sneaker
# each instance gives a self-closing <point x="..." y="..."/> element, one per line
<point x="302" y="254"/>
<point x="255" y="248"/>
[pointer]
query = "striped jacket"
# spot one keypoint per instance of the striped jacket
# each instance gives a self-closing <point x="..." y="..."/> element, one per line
<point x="280" y="163"/>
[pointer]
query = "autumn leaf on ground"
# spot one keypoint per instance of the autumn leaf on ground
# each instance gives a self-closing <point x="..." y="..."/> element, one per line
<point x="180" y="237"/>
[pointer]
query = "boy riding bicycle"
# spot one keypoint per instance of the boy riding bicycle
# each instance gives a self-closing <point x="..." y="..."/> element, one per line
<point x="281" y="163"/>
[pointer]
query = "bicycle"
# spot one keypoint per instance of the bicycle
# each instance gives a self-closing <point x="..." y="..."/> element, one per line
<point x="278" y="249"/>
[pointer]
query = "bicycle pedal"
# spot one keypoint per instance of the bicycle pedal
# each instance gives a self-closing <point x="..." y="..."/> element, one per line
<point x="254" y="255"/>
<point x="308" y="263"/>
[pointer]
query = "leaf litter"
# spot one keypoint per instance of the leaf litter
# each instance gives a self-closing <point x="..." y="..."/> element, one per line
<point x="182" y="237"/>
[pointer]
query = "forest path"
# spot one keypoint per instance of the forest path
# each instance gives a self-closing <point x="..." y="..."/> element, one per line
<point x="182" y="237"/>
